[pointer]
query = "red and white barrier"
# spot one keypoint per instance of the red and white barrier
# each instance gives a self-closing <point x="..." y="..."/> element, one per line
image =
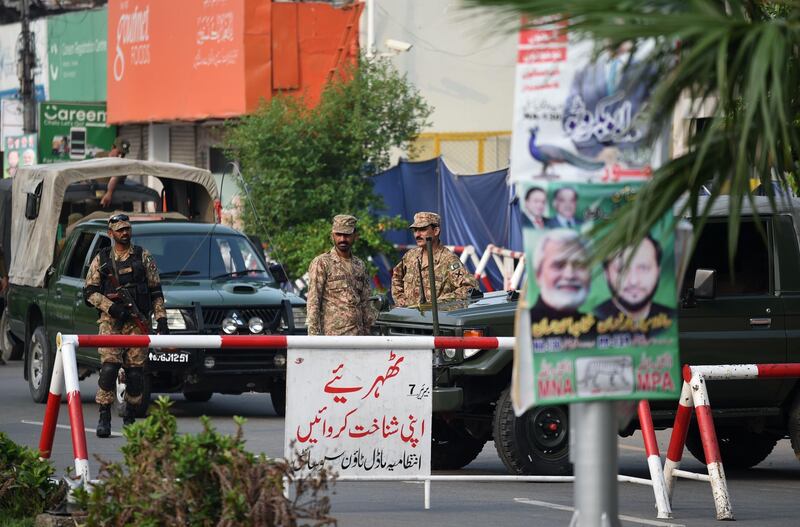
<point x="65" y="361"/>
<point x="694" y="394"/>
<point x="65" y="372"/>
<point x="511" y="265"/>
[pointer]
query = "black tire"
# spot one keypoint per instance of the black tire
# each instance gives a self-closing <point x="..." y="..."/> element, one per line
<point x="452" y="446"/>
<point x="278" y="396"/>
<point x="40" y="365"/>
<point x="739" y="447"/>
<point x="119" y="398"/>
<point x="537" y="443"/>
<point x="197" y="397"/>
<point x="10" y="348"/>
<point x="794" y="425"/>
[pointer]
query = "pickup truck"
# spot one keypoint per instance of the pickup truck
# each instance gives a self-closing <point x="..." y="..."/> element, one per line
<point x="751" y="315"/>
<point x="215" y="281"/>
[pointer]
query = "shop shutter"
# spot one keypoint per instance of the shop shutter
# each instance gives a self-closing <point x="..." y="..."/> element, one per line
<point x="182" y="144"/>
<point x="136" y="136"/>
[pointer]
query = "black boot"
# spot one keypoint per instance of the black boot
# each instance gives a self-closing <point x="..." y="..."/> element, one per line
<point x="104" y="424"/>
<point x="129" y="416"/>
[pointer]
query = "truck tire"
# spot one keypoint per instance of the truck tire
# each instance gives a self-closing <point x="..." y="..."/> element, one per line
<point x="452" y="446"/>
<point x="794" y="425"/>
<point x="278" y="395"/>
<point x="537" y="443"/>
<point x="40" y="365"/>
<point x="119" y="399"/>
<point x="10" y="349"/>
<point x="198" y="397"/>
<point x="739" y="447"/>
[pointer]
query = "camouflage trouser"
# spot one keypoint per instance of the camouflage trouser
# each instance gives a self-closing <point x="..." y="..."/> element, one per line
<point x="130" y="357"/>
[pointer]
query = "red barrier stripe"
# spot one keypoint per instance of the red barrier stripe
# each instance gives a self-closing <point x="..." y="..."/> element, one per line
<point x="679" y="430"/>
<point x="646" y="425"/>
<point x="708" y="435"/>
<point x="49" y="426"/>
<point x="114" y="341"/>
<point x="687" y="373"/>
<point x="778" y="370"/>
<point x="254" y="341"/>
<point x="76" y="425"/>
<point x="472" y="342"/>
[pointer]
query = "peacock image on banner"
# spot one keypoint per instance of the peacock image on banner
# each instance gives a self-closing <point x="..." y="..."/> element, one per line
<point x="607" y="331"/>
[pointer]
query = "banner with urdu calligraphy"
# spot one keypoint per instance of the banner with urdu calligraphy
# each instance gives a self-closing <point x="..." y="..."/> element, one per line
<point x="359" y="412"/>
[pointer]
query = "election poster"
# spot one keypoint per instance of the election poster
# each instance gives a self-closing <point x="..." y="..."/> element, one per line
<point x="588" y="330"/>
<point x="18" y="151"/>
<point x="359" y="412"/>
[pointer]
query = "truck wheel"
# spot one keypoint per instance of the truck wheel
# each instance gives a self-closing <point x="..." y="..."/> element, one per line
<point x="739" y="447"/>
<point x="452" y="446"/>
<point x="119" y="399"/>
<point x="197" y="397"/>
<point x="40" y="365"/>
<point x="536" y="443"/>
<point x="9" y="347"/>
<point x="794" y="425"/>
<point x="278" y="395"/>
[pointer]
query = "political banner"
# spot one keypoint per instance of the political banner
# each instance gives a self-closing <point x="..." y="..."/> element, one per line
<point x="18" y="151"/>
<point x="11" y="120"/>
<point x="582" y="147"/>
<point x="359" y="412"/>
<point x="71" y="131"/>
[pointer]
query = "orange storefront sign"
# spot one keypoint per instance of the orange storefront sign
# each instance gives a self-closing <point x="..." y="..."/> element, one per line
<point x="187" y="59"/>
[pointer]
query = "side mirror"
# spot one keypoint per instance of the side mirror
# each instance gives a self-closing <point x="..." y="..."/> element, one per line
<point x="279" y="273"/>
<point x="705" y="283"/>
<point x="32" y="205"/>
<point x="379" y="303"/>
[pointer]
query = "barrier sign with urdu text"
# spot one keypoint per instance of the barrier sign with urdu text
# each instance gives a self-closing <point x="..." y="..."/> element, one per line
<point x="579" y="151"/>
<point x="359" y="412"/>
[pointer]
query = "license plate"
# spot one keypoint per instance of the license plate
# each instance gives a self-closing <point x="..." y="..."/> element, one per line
<point x="180" y="357"/>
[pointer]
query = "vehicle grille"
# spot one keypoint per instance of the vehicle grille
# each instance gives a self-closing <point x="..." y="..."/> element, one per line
<point x="213" y="316"/>
<point x="245" y="360"/>
<point x="418" y="331"/>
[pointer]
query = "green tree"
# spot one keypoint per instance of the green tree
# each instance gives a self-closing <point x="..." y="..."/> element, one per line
<point x="304" y="165"/>
<point x="740" y="55"/>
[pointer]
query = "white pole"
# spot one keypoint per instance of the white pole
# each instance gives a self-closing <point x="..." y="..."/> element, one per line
<point x="427" y="494"/>
<point x="370" y="28"/>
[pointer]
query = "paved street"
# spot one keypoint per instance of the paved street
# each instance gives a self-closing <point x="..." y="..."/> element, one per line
<point x="764" y="496"/>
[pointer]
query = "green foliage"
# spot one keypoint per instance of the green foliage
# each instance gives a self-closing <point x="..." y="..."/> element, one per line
<point x="739" y="56"/>
<point x="201" y="479"/>
<point x="304" y="165"/>
<point x="25" y="485"/>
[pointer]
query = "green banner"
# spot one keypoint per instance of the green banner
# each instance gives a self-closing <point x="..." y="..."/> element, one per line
<point x="602" y="332"/>
<point x="76" y="54"/>
<point x="73" y="131"/>
<point x="19" y="151"/>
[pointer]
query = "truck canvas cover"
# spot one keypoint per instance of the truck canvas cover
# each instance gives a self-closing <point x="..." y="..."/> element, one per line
<point x="34" y="239"/>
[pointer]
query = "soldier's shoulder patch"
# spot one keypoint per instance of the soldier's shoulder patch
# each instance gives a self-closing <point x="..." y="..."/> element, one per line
<point x="455" y="265"/>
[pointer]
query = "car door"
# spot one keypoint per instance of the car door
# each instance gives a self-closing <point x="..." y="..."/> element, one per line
<point x="744" y="323"/>
<point x="66" y="292"/>
<point x="85" y="317"/>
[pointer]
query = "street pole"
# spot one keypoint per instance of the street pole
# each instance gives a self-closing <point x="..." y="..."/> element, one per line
<point x="26" y="62"/>
<point x="593" y="449"/>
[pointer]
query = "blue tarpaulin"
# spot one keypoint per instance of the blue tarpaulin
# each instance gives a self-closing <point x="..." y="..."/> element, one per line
<point x="476" y="209"/>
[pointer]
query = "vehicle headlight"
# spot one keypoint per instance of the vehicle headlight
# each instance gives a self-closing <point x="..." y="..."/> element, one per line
<point x="469" y="352"/>
<point x="255" y="325"/>
<point x="299" y="315"/>
<point x="450" y="353"/>
<point x="229" y="326"/>
<point x="175" y="319"/>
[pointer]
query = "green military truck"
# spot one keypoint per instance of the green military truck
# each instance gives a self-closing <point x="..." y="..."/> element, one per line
<point x="750" y="314"/>
<point x="215" y="281"/>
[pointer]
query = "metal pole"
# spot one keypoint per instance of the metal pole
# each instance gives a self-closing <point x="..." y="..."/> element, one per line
<point x="593" y="448"/>
<point x="432" y="280"/>
<point x="370" y="28"/>
<point x="27" y="59"/>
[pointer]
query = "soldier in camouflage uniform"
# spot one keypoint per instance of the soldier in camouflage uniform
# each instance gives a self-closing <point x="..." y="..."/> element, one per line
<point x="133" y="268"/>
<point x="338" y="288"/>
<point x="411" y="279"/>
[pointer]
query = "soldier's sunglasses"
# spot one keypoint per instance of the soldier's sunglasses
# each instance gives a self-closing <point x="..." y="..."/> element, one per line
<point x="118" y="218"/>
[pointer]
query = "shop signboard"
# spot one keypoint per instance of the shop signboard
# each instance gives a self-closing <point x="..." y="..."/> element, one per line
<point x="77" y="55"/>
<point x="604" y="331"/>
<point x="71" y="131"/>
<point x="18" y="151"/>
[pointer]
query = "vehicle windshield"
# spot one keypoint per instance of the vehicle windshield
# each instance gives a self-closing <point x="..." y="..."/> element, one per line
<point x="200" y="256"/>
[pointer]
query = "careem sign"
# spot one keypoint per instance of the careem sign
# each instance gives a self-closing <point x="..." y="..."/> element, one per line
<point x="132" y="34"/>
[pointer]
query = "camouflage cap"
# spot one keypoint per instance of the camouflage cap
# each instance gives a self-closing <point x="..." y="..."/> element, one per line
<point x="344" y="224"/>
<point x="423" y="219"/>
<point x="117" y="222"/>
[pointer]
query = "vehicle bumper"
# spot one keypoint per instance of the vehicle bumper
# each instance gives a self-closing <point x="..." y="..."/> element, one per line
<point x="448" y="399"/>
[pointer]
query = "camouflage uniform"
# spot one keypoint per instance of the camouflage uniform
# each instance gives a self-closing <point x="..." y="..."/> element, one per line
<point x="411" y="275"/>
<point x="338" y="291"/>
<point x="128" y="357"/>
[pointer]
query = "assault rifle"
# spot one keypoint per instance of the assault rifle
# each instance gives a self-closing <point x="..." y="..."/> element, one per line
<point x="123" y="296"/>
